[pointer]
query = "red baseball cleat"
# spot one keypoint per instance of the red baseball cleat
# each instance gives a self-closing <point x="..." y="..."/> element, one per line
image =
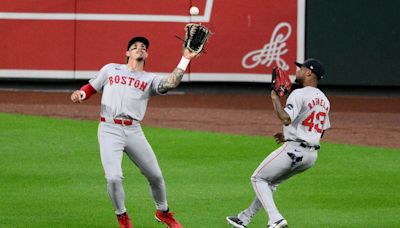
<point x="167" y="218"/>
<point x="124" y="221"/>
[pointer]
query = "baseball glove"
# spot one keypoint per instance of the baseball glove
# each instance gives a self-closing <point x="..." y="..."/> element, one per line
<point x="196" y="37"/>
<point x="280" y="82"/>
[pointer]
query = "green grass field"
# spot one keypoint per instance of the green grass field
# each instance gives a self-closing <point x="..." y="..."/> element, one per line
<point x="51" y="176"/>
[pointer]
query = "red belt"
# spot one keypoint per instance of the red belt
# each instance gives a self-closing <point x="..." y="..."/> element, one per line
<point x="124" y="122"/>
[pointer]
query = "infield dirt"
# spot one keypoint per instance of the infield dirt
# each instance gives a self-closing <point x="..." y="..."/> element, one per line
<point x="372" y="121"/>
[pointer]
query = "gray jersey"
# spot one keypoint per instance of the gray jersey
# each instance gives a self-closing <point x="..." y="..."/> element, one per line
<point x="125" y="92"/>
<point x="308" y="109"/>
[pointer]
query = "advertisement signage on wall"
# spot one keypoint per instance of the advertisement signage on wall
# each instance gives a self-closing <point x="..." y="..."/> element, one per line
<point x="61" y="39"/>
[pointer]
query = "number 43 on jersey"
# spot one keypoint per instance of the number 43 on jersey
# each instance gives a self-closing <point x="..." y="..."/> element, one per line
<point x="315" y="121"/>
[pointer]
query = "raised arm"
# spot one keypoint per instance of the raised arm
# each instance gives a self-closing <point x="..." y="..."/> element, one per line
<point x="195" y="39"/>
<point x="280" y="112"/>
<point x="174" y="79"/>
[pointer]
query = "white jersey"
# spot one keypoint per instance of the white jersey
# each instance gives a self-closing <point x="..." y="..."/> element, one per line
<point x="308" y="109"/>
<point x="125" y="92"/>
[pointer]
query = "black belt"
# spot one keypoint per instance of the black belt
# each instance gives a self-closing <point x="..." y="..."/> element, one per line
<point x="308" y="146"/>
<point x="304" y="144"/>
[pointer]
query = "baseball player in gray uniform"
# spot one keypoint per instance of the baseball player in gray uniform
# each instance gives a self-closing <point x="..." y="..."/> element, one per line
<point x="305" y="118"/>
<point x="126" y="90"/>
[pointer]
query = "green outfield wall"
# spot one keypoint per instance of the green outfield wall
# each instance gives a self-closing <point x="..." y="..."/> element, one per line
<point x="358" y="41"/>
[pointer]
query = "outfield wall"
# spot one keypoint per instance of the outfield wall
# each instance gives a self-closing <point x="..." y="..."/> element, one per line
<point x="72" y="39"/>
<point x="358" y="41"/>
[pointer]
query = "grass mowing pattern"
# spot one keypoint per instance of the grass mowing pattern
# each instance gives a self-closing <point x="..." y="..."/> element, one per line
<point x="51" y="176"/>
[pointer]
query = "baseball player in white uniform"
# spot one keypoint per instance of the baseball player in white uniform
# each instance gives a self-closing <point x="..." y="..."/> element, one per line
<point x="305" y="118"/>
<point x="126" y="90"/>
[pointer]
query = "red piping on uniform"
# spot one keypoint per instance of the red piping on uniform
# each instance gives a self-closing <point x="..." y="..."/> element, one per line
<point x="255" y="186"/>
<point x="272" y="159"/>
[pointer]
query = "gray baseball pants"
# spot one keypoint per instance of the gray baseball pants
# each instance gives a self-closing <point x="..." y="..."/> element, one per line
<point x="114" y="139"/>
<point x="286" y="161"/>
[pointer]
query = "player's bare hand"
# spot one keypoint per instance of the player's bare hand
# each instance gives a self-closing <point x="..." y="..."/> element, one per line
<point x="76" y="97"/>
<point x="279" y="138"/>
<point x="189" y="55"/>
